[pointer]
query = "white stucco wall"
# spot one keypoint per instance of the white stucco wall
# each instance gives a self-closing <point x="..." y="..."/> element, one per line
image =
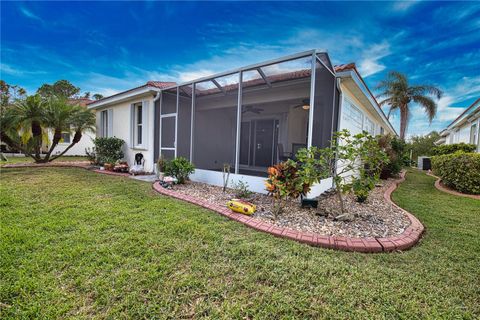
<point x="79" y="148"/>
<point x="122" y="126"/>
<point x="365" y="110"/>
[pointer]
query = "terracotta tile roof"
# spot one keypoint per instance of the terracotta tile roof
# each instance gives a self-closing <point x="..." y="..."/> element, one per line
<point x="80" y="101"/>
<point x="259" y="81"/>
<point x="344" y="67"/>
<point x="160" y="84"/>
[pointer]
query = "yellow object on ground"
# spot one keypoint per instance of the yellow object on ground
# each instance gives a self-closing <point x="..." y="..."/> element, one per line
<point x="242" y="206"/>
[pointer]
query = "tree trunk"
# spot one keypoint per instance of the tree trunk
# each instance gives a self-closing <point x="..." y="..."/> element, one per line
<point x="76" y="138"/>
<point x="57" y="136"/>
<point x="12" y="144"/>
<point x="403" y="121"/>
<point x="37" y="139"/>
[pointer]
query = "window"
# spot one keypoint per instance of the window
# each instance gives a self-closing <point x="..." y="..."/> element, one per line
<point x="473" y="133"/>
<point x="104" y="123"/>
<point x="353" y="118"/>
<point x="369" y="126"/>
<point x="138" y="124"/>
<point x="382" y="131"/>
<point x="65" y="137"/>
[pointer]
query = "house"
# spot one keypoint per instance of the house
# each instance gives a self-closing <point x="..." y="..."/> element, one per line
<point x="465" y="128"/>
<point x="249" y="118"/>
<point x="79" y="148"/>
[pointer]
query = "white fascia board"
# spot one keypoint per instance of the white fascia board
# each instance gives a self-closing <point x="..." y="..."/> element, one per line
<point x="122" y="97"/>
<point x="359" y="83"/>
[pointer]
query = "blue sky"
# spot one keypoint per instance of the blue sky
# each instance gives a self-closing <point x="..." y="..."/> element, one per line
<point x="108" y="47"/>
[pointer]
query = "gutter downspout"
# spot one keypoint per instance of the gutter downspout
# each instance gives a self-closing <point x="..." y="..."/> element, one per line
<point x="340" y="109"/>
<point x="155" y="99"/>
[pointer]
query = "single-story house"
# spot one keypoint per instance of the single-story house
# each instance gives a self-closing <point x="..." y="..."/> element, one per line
<point x="250" y="118"/>
<point x="465" y="128"/>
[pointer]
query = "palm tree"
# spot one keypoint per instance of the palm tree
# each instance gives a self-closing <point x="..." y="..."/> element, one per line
<point x="25" y="124"/>
<point x="29" y="114"/>
<point x="59" y="113"/>
<point x="81" y="120"/>
<point x="398" y="94"/>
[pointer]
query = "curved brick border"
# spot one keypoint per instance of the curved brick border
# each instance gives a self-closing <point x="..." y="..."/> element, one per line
<point x="404" y="241"/>
<point x="440" y="186"/>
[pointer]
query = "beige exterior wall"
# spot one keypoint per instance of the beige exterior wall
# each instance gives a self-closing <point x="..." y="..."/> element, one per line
<point x="123" y="126"/>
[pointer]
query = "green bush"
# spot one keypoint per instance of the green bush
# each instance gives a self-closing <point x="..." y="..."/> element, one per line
<point x="452" y="148"/>
<point x="108" y="150"/>
<point x="179" y="168"/>
<point x="395" y="150"/>
<point x="460" y="171"/>
<point x="361" y="188"/>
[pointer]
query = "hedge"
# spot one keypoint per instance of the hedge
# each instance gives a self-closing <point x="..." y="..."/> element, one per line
<point x="108" y="150"/>
<point x="452" y="148"/>
<point x="460" y="171"/>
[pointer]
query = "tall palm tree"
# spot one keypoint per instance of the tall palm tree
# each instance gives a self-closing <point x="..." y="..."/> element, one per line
<point x="398" y="94"/>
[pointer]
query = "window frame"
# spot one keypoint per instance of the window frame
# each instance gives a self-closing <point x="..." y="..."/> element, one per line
<point x="62" y="139"/>
<point x="138" y="107"/>
<point x="104" y="123"/>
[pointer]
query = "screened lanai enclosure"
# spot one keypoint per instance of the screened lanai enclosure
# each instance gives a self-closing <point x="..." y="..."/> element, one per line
<point x="250" y="118"/>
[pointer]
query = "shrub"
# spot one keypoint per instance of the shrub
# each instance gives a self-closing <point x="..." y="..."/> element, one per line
<point x="240" y="189"/>
<point x="361" y="188"/>
<point x="108" y="150"/>
<point x="460" y="171"/>
<point x="394" y="148"/>
<point x="452" y="148"/>
<point x="285" y="182"/>
<point x="179" y="168"/>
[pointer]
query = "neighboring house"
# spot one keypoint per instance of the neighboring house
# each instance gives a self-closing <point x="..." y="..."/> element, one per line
<point x="465" y="128"/>
<point x="282" y="105"/>
<point x="79" y="148"/>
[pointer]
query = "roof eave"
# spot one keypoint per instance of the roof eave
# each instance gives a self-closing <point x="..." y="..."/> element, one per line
<point x="123" y="96"/>
<point x="357" y="79"/>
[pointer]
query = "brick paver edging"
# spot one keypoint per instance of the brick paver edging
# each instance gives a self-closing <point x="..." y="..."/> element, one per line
<point x="444" y="188"/>
<point x="404" y="241"/>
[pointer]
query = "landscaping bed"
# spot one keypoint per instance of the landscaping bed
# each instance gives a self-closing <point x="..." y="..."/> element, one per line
<point x="373" y="218"/>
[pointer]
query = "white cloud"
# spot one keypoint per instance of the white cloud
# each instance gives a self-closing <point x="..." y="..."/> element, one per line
<point x="11" y="70"/>
<point x="370" y="62"/>
<point x="184" y="76"/>
<point x="29" y="14"/>
<point x="404" y="5"/>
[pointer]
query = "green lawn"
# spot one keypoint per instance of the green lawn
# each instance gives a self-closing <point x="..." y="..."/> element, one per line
<point x="12" y="160"/>
<point x="75" y="244"/>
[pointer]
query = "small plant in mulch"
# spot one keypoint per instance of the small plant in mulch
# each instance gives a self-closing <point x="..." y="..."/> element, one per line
<point x="180" y="168"/>
<point x="241" y="190"/>
<point x="225" y="175"/>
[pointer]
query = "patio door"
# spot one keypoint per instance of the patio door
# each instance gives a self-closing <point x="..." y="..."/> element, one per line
<point x="168" y="136"/>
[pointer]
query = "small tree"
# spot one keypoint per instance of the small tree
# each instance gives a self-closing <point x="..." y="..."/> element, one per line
<point x="350" y="161"/>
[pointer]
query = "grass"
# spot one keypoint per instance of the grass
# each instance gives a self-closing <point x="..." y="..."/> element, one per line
<point x="23" y="159"/>
<point x="75" y="244"/>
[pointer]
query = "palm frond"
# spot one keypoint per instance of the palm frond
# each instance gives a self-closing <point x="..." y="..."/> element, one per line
<point x="428" y="105"/>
